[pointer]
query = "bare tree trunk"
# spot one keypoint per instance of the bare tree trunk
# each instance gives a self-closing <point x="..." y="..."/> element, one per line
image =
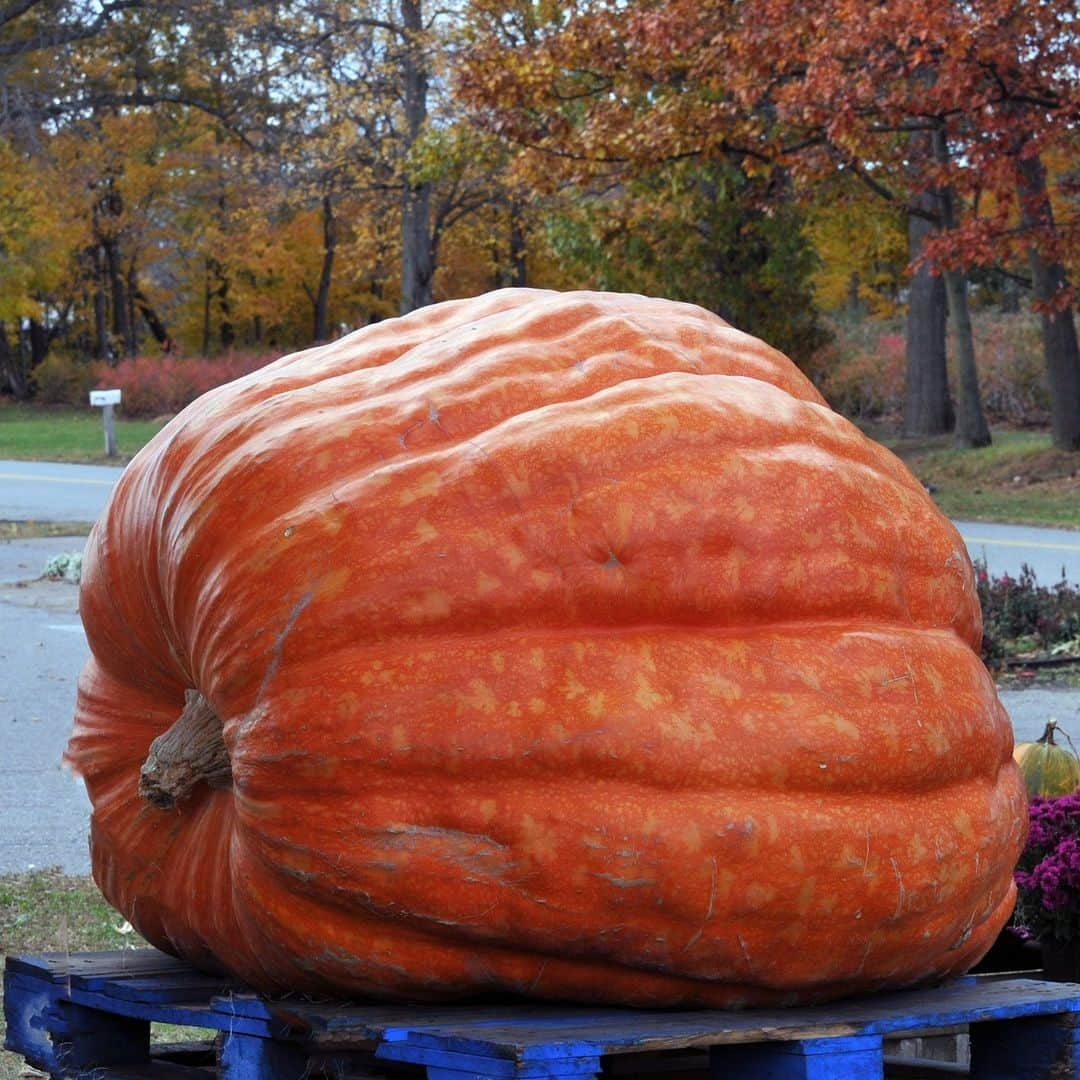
<point x="217" y="293"/>
<point x="1058" y="325"/>
<point x="39" y="343"/>
<point x="855" y="303"/>
<point x="511" y="271"/>
<point x="205" y="351"/>
<point x="110" y="206"/>
<point x="228" y="331"/>
<point x="133" y="310"/>
<point x="121" y="325"/>
<point x="971" y="427"/>
<point x="153" y="320"/>
<point x="12" y="372"/>
<point x="518" y="267"/>
<point x="102" y="349"/>
<point x="322" y="299"/>
<point x="1010" y="295"/>
<point x="417" y="260"/>
<point x="927" y="407"/>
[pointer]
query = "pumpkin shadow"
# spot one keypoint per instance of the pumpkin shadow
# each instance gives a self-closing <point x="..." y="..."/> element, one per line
<point x="1012" y="953"/>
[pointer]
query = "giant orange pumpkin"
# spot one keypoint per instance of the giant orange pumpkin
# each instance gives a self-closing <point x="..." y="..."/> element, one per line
<point x="566" y="645"/>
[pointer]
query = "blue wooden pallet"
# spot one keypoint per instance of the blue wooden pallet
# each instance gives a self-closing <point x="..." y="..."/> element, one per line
<point x="88" y="1015"/>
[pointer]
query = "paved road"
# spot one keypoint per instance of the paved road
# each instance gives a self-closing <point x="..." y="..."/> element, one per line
<point x="1051" y="553"/>
<point x="1030" y="709"/>
<point x="44" y="809"/>
<point x="47" y="491"/>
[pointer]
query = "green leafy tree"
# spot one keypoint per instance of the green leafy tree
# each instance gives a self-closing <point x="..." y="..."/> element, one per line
<point x="696" y="231"/>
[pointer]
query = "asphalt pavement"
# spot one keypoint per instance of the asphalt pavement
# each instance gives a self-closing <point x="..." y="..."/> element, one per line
<point x="44" y="809"/>
<point x="52" y="491"/>
<point x="1052" y="554"/>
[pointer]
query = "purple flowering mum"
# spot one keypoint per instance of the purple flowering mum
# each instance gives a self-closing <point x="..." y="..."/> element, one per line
<point x="1048" y="874"/>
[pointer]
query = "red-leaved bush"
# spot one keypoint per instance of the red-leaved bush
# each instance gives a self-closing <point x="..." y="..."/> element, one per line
<point x="862" y="370"/>
<point x="1012" y="370"/>
<point x="159" y="385"/>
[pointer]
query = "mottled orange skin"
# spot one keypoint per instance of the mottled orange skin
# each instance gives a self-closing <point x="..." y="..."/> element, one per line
<point x="564" y="644"/>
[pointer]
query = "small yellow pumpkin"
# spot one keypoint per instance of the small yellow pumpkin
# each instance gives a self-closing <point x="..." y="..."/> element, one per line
<point x="1047" y="767"/>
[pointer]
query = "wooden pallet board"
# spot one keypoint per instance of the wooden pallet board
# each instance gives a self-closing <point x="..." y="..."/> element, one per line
<point x="89" y="1014"/>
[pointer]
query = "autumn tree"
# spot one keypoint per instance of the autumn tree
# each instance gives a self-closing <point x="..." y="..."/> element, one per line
<point x="982" y="88"/>
<point x="40" y="237"/>
<point x="862" y="245"/>
<point x="681" y="79"/>
<point x="80" y="82"/>
<point x="240" y="173"/>
<point x="810" y="89"/>
<point x="375" y="117"/>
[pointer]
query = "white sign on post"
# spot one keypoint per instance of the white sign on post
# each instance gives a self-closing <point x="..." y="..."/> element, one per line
<point x="107" y="399"/>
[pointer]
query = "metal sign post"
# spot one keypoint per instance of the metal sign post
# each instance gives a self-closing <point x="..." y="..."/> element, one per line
<point x="106" y="399"/>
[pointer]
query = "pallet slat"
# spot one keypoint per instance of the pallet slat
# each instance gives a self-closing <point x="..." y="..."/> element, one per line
<point x="89" y="1014"/>
<point x="118" y="963"/>
<point x="166" y="988"/>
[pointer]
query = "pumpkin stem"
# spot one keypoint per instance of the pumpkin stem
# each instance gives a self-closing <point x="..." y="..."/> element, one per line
<point x="191" y="752"/>
<point x="1047" y="737"/>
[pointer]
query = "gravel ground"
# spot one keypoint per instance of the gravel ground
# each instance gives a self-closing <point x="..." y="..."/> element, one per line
<point x="42" y="649"/>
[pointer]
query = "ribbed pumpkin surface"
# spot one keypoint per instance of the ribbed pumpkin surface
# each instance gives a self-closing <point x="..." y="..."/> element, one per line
<point x="563" y="644"/>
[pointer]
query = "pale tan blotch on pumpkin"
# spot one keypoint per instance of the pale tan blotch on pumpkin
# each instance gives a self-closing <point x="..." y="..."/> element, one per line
<point x="425" y="531"/>
<point x="487" y="583"/>
<point x="572" y="686"/>
<point x="646" y="695"/>
<point x="513" y="555"/>
<point x="430" y="606"/>
<point x="718" y="686"/>
<point x="426" y="487"/>
<point x="481" y="698"/>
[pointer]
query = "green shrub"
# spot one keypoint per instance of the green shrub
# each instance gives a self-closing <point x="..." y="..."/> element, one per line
<point x="61" y="380"/>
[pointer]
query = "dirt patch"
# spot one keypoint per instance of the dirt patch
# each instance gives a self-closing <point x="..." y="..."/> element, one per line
<point x="36" y="530"/>
<point x="1056" y="467"/>
<point x="41" y="593"/>
<point x="1066" y="677"/>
